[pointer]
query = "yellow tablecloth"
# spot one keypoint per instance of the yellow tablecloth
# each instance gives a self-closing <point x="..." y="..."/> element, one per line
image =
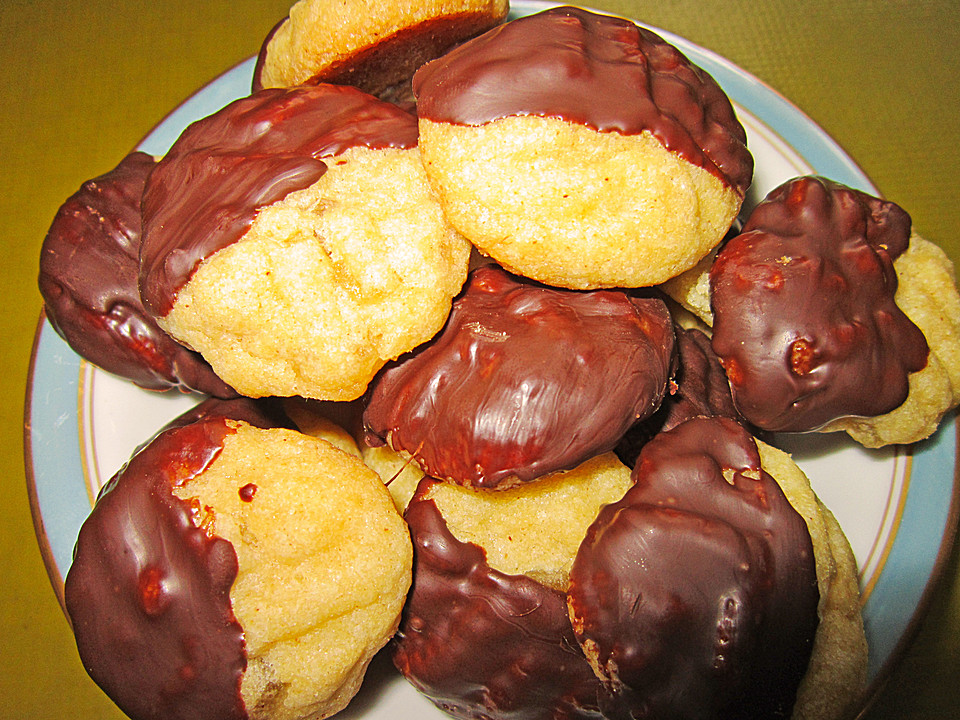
<point x="82" y="82"/>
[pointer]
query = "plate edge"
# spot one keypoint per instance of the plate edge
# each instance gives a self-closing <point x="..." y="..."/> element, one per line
<point x="936" y="580"/>
<point x="43" y="542"/>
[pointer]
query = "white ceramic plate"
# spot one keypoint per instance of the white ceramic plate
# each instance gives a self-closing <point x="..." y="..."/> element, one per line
<point x="898" y="507"/>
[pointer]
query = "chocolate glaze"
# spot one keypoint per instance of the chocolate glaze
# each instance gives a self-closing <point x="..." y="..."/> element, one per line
<point x="699" y="592"/>
<point x="699" y="389"/>
<point x="148" y="591"/>
<point x="88" y="279"/>
<point x="805" y="320"/>
<point x="204" y="194"/>
<point x="596" y="70"/>
<point x="524" y="380"/>
<point x="485" y="645"/>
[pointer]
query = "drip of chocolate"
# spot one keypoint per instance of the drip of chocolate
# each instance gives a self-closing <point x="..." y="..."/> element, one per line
<point x="596" y="70"/>
<point x="805" y="319"/>
<point x="206" y="191"/>
<point x="484" y="645"/>
<point x="525" y="380"/>
<point x="698" y="590"/>
<point x="88" y="279"/>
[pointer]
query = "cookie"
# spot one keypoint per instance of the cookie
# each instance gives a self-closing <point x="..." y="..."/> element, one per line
<point x="89" y="265"/>
<point x="524" y="380"/>
<point x="806" y="319"/>
<point x="581" y="150"/>
<point x="231" y="570"/>
<point x="401" y="474"/>
<point x="485" y="633"/>
<point x="837" y="672"/>
<point x="373" y="46"/>
<point x="307" y="251"/>
<point x="707" y="589"/>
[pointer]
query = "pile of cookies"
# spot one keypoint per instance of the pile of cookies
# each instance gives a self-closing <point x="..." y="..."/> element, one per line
<point x="494" y="352"/>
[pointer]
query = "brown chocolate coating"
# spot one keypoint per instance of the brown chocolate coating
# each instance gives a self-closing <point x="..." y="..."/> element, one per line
<point x="204" y="194"/>
<point x="702" y="389"/>
<point x="698" y="591"/>
<point x="524" y="380"/>
<point x="805" y="320"/>
<point x="88" y="279"/>
<point x="148" y="591"/>
<point x="484" y="645"/>
<point x="699" y="389"/>
<point x="596" y="70"/>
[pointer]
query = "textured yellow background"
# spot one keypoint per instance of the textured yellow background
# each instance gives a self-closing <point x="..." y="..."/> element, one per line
<point x="82" y="82"/>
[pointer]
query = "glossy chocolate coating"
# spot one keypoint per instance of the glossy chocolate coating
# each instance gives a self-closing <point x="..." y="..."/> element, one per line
<point x="204" y="194"/>
<point x="524" y="380"/>
<point x="698" y="591"/>
<point x="88" y="279"/>
<point x="484" y="645"/>
<point x="596" y="70"/>
<point x="699" y="389"/>
<point x="148" y="591"/>
<point x="805" y="320"/>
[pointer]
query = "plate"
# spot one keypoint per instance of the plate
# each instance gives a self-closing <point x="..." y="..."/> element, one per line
<point x="897" y="506"/>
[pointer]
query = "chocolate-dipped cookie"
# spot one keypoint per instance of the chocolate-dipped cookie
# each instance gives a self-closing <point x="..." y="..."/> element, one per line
<point x="306" y="250"/>
<point x="192" y="596"/>
<point x="371" y="45"/>
<point x="581" y="150"/>
<point x="89" y="265"/>
<point x="804" y="315"/>
<point x="709" y="588"/>
<point x="524" y="380"/>
<point x="485" y="633"/>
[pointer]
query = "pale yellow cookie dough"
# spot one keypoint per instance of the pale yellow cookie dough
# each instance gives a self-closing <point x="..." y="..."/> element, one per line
<point x="401" y="474"/>
<point x="569" y="206"/>
<point x="691" y="289"/>
<point x="328" y="284"/>
<point x="324" y="559"/>
<point x="310" y="419"/>
<point x="836" y="675"/>
<point x="534" y="529"/>
<point x="927" y="294"/>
